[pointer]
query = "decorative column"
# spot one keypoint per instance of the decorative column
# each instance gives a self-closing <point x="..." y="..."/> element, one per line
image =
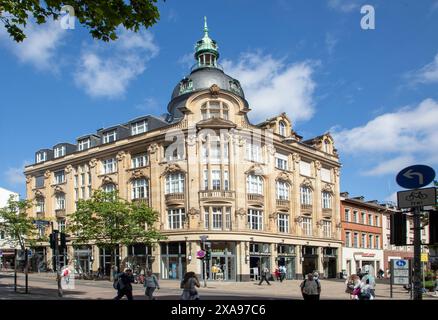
<point x="121" y="175"/>
<point x="317" y="211"/>
<point x="296" y="204"/>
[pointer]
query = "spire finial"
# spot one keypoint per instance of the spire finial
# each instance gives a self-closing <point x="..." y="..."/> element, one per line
<point x="205" y="26"/>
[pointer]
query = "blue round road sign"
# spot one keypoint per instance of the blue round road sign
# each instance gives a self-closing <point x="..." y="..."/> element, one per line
<point x="400" y="263"/>
<point x="415" y="177"/>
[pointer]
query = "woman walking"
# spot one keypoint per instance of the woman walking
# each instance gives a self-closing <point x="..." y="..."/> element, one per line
<point x="189" y="284"/>
<point x="151" y="283"/>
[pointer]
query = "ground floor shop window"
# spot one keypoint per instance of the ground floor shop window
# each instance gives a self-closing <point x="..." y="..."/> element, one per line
<point x="173" y="260"/>
<point x="310" y="260"/>
<point x="330" y="262"/>
<point x="222" y="265"/>
<point x="286" y="258"/>
<point x="38" y="261"/>
<point x="83" y="259"/>
<point x="139" y="258"/>
<point x="259" y="258"/>
<point x="105" y="260"/>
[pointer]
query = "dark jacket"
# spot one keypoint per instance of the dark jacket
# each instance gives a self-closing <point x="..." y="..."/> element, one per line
<point x="124" y="282"/>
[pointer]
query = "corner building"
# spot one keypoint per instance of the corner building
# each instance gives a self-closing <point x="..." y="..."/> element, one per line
<point x="262" y="194"/>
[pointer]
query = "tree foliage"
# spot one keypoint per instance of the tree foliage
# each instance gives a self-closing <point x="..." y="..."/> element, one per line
<point x="17" y="226"/>
<point x="101" y="17"/>
<point x="108" y="220"/>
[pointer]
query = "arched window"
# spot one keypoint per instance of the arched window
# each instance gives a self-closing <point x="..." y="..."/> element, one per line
<point x="174" y="183"/>
<point x="282" y="190"/>
<point x="214" y="109"/>
<point x="140" y="189"/>
<point x="109" y="187"/>
<point x="282" y="128"/>
<point x="306" y="195"/>
<point x="326" y="200"/>
<point x="254" y="184"/>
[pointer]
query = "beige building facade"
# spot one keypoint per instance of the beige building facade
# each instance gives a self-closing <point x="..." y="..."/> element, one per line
<point x="261" y="194"/>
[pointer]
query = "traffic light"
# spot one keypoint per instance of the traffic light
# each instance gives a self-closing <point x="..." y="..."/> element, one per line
<point x="433" y="227"/>
<point x="208" y="254"/>
<point x="53" y="239"/>
<point x="398" y="229"/>
<point x="63" y="242"/>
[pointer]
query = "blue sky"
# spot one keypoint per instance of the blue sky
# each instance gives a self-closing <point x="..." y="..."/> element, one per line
<point x="375" y="90"/>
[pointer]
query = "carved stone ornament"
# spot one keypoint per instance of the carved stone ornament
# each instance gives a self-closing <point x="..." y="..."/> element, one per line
<point x="339" y="225"/>
<point x="121" y="155"/>
<point x="255" y="169"/>
<point x="191" y="140"/>
<point x="172" y="168"/>
<point x="58" y="189"/>
<point x="68" y="169"/>
<point x="336" y="171"/>
<point x="241" y="212"/>
<point x="47" y="174"/>
<point x="153" y="148"/>
<point x="271" y="149"/>
<point x="137" y="174"/>
<point x="273" y="216"/>
<point x="38" y="194"/>
<point x="328" y="188"/>
<point x="28" y="179"/>
<point x="92" y="163"/>
<point x="214" y="90"/>
<point x="193" y="212"/>
<point x="307" y="183"/>
<point x="317" y="165"/>
<point x="296" y="157"/>
<point x="283" y="176"/>
<point x="107" y="180"/>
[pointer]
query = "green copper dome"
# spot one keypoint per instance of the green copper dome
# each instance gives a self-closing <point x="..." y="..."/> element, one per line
<point x="206" y="50"/>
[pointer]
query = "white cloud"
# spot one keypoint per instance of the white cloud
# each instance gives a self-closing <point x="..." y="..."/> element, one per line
<point x="148" y="104"/>
<point x="40" y="45"/>
<point x="394" y="139"/>
<point x="344" y="5"/>
<point x="427" y="74"/>
<point x="187" y="60"/>
<point x="272" y="87"/>
<point x="106" y="70"/>
<point x="15" y="176"/>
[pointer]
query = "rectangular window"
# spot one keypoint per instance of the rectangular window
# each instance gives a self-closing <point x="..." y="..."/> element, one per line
<point x="41" y="156"/>
<point x="59" y="177"/>
<point x="355" y="217"/>
<point x="370" y="219"/>
<point x="282" y="190"/>
<point x="370" y="241"/>
<point x="84" y="144"/>
<point x="283" y="222"/>
<point x="377" y="246"/>
<point x="281" y="161"/>
<point x="347" y="215"/>
<point x="376" y="221"/>
<point x="226" y="181"/>
<point x="255" y="219"/>
<point x="205" y="175"/>
<point x="253" y="152"/>
<point x="363" y="215"/>
<point x="326" y="175"/>
<point x="254" y="184"/>
<point x="109" y="166"/>
<point x="40" y="205"/>
<point x="39" y="182"/>
<point x="110" y="136"/>
<point x="305" y="168"/>
<point x="363" y="241"/>
<point x="326" y="200"/>
<point x="61" y="225"/>
<point x="347" y="239"/>
<point x="176" y="218"/>
<point x="59" y="151"/>
<point x="355" y="240"/>
<point x="139" y="160"/>
<point x="207" y="217"/>
<point x="174" y="183"/>
<point x="216" y="179"/>
<point x="140" y="189"/>
<point x="327" y="228"/>
<point x="216" y="218"/>
<point x="228" y="218"/>
<point x="306" y="195"/>
<point x="307" y="226"/>
<point x="139" y="127"/>
<point x="60" y="201"/>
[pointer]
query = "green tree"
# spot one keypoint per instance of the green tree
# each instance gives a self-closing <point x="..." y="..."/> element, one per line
<point x="17" y="226"/>
<point x="101" y="17"/>
<point x="110" y="221"/>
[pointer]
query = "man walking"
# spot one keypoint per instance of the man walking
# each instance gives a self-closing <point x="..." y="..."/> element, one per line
<point x="310" y="288"/>
<point x="282" y="273"/>
<point x="151" y="283"/>
<point x="265" y="274"/>
<point x="124" y="287"/>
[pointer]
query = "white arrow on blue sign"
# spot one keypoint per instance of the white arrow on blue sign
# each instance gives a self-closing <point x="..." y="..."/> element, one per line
<point x="401" y="263"/>
<point x="415" y="177"/>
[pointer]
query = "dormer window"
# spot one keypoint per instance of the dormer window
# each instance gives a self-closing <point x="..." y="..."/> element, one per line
<point x="59" y="151"/>
<point x="84" y="144"/>
<point x="326" y="146"/>
<point x="214" y="109"/>
<point x="186" y="85"/>
<point x="139" y="127"/>
<point x="282" y="128"/>
<point x="41" y="157"/>
<point x="235" y="87"/>
<point x="109" y="136"/>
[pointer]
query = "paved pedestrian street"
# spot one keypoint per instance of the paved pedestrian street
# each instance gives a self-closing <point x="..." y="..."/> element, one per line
<point x="43" y="287"/>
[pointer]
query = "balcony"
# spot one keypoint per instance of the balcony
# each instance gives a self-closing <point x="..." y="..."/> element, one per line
<point x="256" y="198"/>
<point x="306" y="207"/>
<point x="174" y="198"/>
<point x="216" y="195"/>
<point x="282" y="203"/>
<point x="60" y="213"/>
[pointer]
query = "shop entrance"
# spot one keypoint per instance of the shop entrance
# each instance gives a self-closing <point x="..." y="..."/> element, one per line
<point x="222" y="265"/>
<point x="310" y="260"/>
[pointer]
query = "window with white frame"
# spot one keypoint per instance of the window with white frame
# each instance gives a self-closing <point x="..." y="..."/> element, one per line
<point x="305" y="169"/>
<point x="40" y="205"/>
<point x="281" y="161"/>
<point x="82" y="182"/>
<point x="370" y="241"/>
<point x="306" y="224"/>
<point x="59" y="177"/>
<point x="174" y="183"/>
<point x="347" y="215"/>
<point x="205" y="176"/>
<point x="255" y="219"/>
<point x="41" y="156"/>
<point x="140" y="189"/>
<point x="376" y="221"/>
<point x="282" y="190"/>
<point x="207" y="217"/>
<point x="139" y="160"/>
<point x="59" y="201"/>
<point x="139" y="127"/>
<point x="283" y="222"/>
<point x="327" y="228"/>
<point x="355" y="240"/>
<point x="226" y="181"/>
<point x="377" y="246"/>
<point x="109" y="187"/>
<point x="305" y="195"/>
<point x="326" y="200"/>
<point x="282" y="128"/>
<point x="216" y="179"/>
<point x="109" y="166"/>
<point x="347" y="239"/>
<point x="84" y="144"/>
<point x="59" y="151"/>
<point x="228" y="218"/>
<point x="176" y="218"/>
<point x="364" y="218"/>
<point x="61" y="225"/>
<point x="109" y="136"/>
<point x="216" y="215"/>
<point x="370" y="219"/>
<point x="214" y="109"/>
<point x="254" y="152"/>
<point x="254" y="184"/>
<point x="355" y="217"/>
<point x="174" y="152"/>
<point x="363" y="241"/>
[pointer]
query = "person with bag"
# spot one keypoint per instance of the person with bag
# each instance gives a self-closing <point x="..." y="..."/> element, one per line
<point x="353" y="286"/>
<point x="123" y="284"/>
<point x="265" y="275"/>
<point x="310" y="288"/>
<point x="150" y="283"/>
<point x="189" y="284"/>
<point x="365" y="290"/>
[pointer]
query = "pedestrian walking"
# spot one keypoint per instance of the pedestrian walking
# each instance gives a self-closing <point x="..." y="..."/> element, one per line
<point x="150" y="283"/>
<point x="365" y="290"/>
<point x="189" y="284"/>
<point x="310" y="288"/>
<point x="282" y="273"/>
<point x="353" y="286"/>
<point x="123" y="284"/>
<point x="277" y="273"/>
<point x="371" y="282"/>
<point x="265" y="274"/>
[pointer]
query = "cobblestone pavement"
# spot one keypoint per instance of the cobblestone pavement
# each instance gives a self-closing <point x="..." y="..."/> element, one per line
<point x="43" y="286"/>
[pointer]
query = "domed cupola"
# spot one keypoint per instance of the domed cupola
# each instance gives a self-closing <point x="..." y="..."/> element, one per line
<point x="204" y="73"/>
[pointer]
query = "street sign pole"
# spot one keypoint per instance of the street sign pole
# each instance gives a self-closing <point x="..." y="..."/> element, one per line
<point x="391" y="270"/>
<point x="26" y="266"/>
<point x="205" y="266"/>
<point x="417" y="255"/>
<point x="15" y="270"/>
